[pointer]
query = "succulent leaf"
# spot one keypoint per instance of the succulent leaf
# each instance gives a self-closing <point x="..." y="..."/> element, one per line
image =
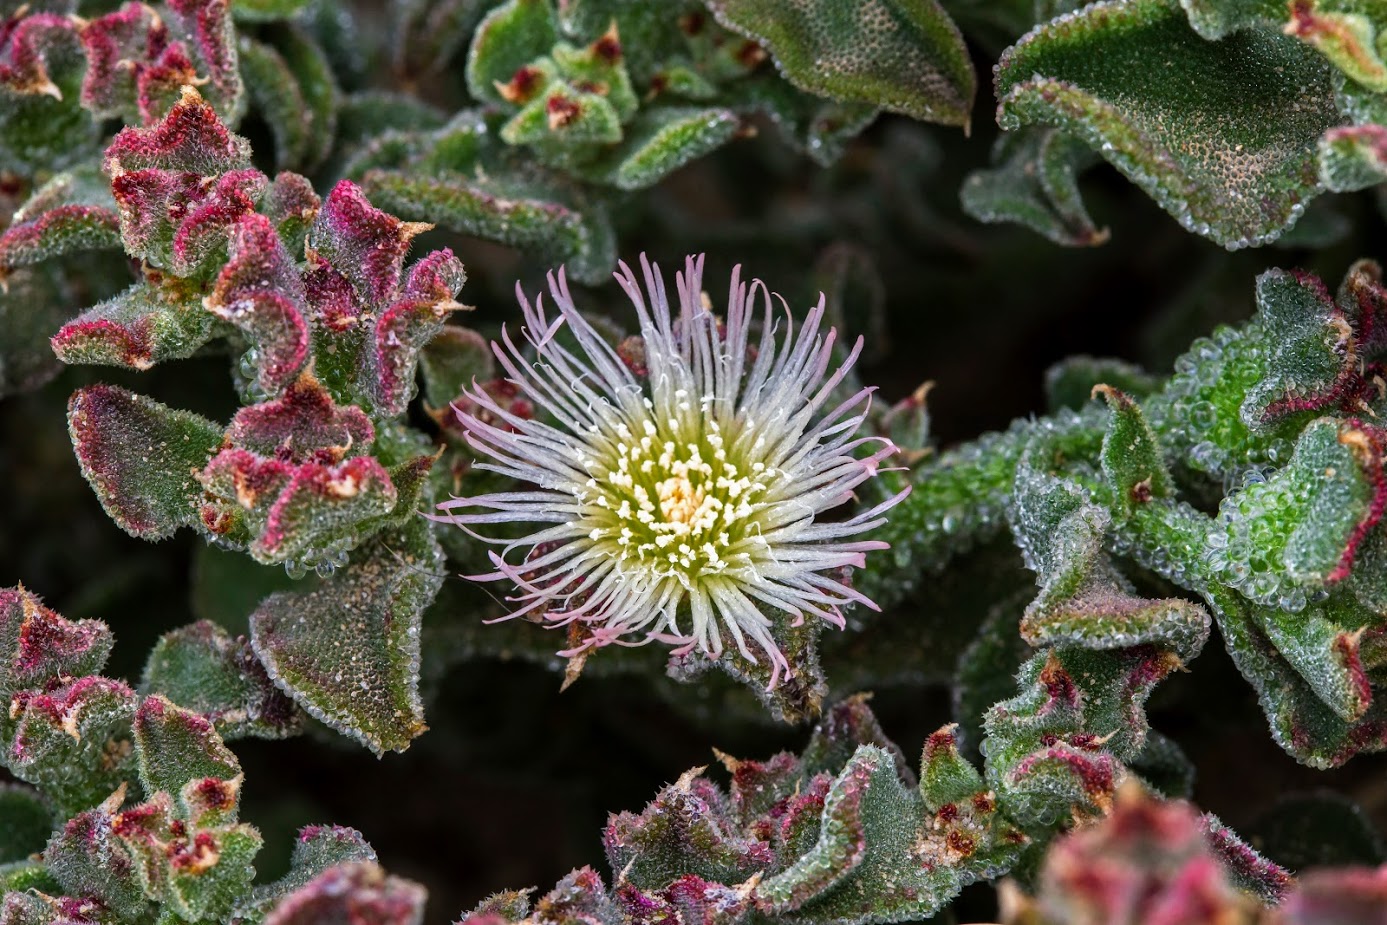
<point x="1257" y="101"/>
<point x="1034" y="181"/>
<point x="200" y="666"/>
<point x="355" y="891"/>
<point x="903" y="56"/>
<point x="139" y="457"/>
<point x="348" y="651"/>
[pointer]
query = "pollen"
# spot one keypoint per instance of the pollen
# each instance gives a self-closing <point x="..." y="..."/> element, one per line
<point x="674" y="501"/>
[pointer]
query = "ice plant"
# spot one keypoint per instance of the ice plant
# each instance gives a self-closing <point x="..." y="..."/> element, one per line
<point x="682" y="501"/>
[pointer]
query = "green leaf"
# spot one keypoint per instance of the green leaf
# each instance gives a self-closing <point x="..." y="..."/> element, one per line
<point x="139" y="457"/>
<point x="203" y="669"/>
<point x="1353" y="157"/>
<point x="1215" y="19"/>
<point x="987" y="669"/>
<point x="146" y="324"/>
<point x="365" y="115"/>
<point x="266" y="10"/>
<point x="176" y="746"/>
<point x="1034" y="182"/>
<point x="960" y="499"/>
<point x="348" y="651"/>
<point x="903" y="55"/>
<point x="1222" y="134"/>
<point x="451" y="361"/>
<point x="26" y="821"/>
<point x="663" y="139"/>
<point x="310" y="66"/>
<point x="430" y="33"/>
<point x="505" y="209"/>
<point x="1069" y="383"/>
<point x="511" y="36"/>
<point x="276" y="95"/>
<point x="290" y="81"/>
<point x="1131" y="459"/>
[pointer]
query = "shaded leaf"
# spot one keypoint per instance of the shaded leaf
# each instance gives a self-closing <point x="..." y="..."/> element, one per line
<point x="348" y="651"/>
<point x="1034" y="182"/>
<point x="902" y="55"/>
<point x="203" y="669"/>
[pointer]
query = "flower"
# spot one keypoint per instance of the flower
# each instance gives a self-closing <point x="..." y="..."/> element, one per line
<point x="680" y="502"/>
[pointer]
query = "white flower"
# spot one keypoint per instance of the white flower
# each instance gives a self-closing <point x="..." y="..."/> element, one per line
<point x="682" y="506"/>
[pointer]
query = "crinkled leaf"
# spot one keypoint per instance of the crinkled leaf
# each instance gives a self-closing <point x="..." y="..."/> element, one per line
<point x="176" y="746"/>
<point x="348" y="651"/>
<point x="203" y="669"/>
<point x="363" y="243"/>
<point x="1300" y="529"/>
<point x="409" y="323"/>
<point x="316" y="849"/>
<point x="190" y="138"/>
<point x="148" y="323"/>
<point x="139" y="457"/>
<point x="71" y="741"/>
<point x="1034" y="182"/>
<point x="260" y="291"/>
<point x="311" y="511"/>
<point x="358" y="891"/>
<point x="1222" y="134"/>
<point x="87" y="859"/>
<point x="72" y="212"/>
<point x="902" y="55"/>
<point x="37" y="646"/>
<point x="290" y="484"/>
<point x="1301" y="721"/>
<point x="1147" y="862"/>
<point x="1353" y="157"/>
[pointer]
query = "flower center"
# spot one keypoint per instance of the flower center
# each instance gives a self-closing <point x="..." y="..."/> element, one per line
<point x="673" y="497"/>
<point x="680" y="500"/>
